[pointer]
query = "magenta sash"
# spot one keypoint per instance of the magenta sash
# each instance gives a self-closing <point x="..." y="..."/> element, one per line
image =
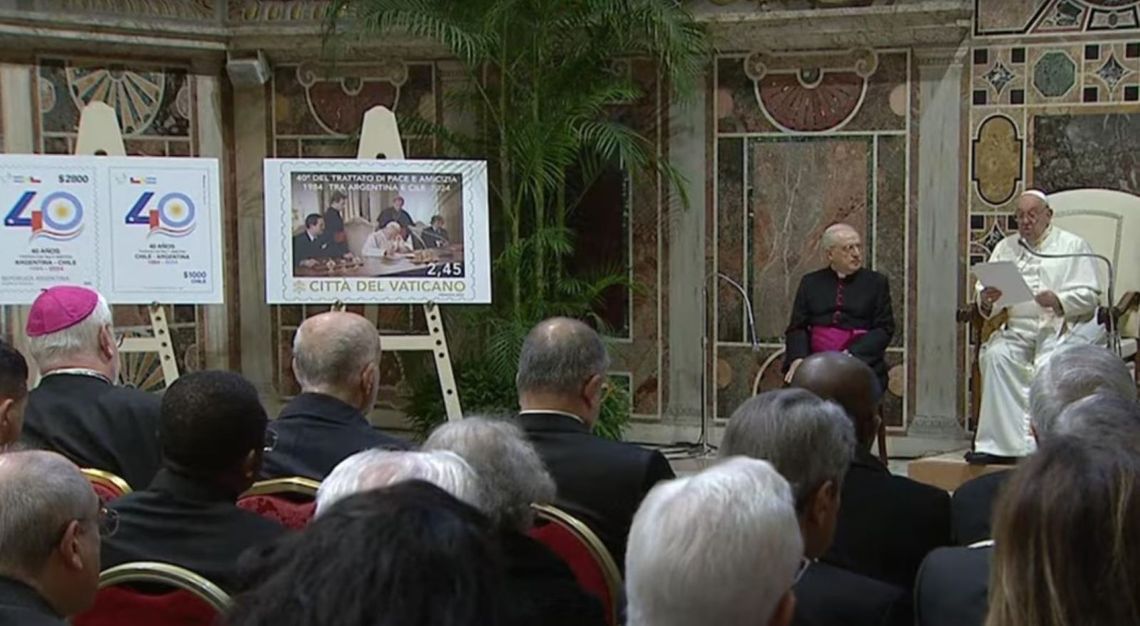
<point x="833" y="339"/>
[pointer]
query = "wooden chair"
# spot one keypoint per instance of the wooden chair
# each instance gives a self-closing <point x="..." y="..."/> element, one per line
<point x="106" y="485"/>
<point x="290" y="502"/>
<point x="155" y="594"/>
<point x="584" y="553"/>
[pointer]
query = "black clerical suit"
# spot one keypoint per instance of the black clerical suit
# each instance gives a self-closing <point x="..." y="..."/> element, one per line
<point x="96" y="425"/>
<point x="972" y="506"/>
<point x="887" y="524"/>
<point x="435" y="237"/>
<point x="306" y="248"/>
<point x="189" y="522"/>
<point x="861" y="301"/>
<point x="600" y="481"/>
<point x="542" y="588"/>
<point x="830" y="596"/>
<point x="20" y="605"/>
<point x="315" y="432"/>
<point x="953" y="587"/>
<point x="334" y="236"/>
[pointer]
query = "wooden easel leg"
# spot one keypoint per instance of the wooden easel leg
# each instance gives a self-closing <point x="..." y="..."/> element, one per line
<point x="165" y="350"/>
<point x="443" y="362"/>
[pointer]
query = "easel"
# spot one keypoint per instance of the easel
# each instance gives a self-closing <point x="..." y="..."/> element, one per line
<point x="380" y="139"/>
<point x="99" y="135"/>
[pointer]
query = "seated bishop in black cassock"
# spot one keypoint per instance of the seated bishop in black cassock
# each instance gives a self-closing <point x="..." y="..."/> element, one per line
<point x="842" y="308"/>
<point x="213" y="436"/>
<point x="76" y="409"/>
<point x="336" y="358"/>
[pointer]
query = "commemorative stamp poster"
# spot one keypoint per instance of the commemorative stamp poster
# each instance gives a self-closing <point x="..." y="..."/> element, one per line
<point x="376" y="231"/>
<point x="138" y="229"/>
<point x="164" y="237"/>
<point x="50" y="229"/>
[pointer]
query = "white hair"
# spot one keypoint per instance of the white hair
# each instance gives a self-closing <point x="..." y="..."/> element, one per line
<point x="54" y="350"/>
<point x="831" y="236"/>
<point x="375" y="468"/>
<point x="1072" y="373"/>
<point x="720" y="547"/>
<point x="508" y="466"/>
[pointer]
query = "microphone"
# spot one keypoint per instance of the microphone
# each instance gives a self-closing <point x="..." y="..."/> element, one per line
<point x="1113" y="334"/>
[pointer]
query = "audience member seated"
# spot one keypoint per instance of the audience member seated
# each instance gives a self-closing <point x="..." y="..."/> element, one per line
<point x="336" y="359"/>
<point x="373" y="469"/>
<point x="561" y="384"/>
<point x="50" y="522"/>
<point x="1067" y="536"/>
<point x="13" y="393"/>
<point x="887" y="524"/>
<point x="953" y="584"/>
<point x="720" y="547"/>
<point x="811" y="442"/>
<point x="405" y="554"/>
<point x="77" y="410"/>
<point x="1072" y="373"/>
<point x="213" y="435"/>
<point x="541" y="587"/>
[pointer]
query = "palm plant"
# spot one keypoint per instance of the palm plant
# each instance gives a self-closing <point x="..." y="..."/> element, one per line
<point x="545" y="86"/>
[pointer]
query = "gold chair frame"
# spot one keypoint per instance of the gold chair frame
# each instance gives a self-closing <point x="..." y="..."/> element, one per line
<point x="167" y="574"/>
<point x="107" y="479"/>
<point x="292" y="484"/>
<point x="610" y="571"/>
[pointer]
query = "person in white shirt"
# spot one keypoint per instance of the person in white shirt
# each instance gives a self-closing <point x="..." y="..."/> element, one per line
<point x="1062" y="312"/>
<point x="386" y="242"/>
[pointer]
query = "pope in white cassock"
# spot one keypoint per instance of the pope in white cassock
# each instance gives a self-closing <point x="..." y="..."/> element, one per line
<point x="1067" y="292"/>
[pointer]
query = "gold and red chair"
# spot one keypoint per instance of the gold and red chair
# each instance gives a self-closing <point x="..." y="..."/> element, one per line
<point x="155" y="594"/>
<point x="583" y="552"/>
<point x="290" y="502"/>
<point x="106" y="485"/>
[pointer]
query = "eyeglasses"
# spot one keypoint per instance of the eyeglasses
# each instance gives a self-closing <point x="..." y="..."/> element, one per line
<point x="270" y="440"/>
<point x="804" y="564"/>
<point x="108" y="522"/>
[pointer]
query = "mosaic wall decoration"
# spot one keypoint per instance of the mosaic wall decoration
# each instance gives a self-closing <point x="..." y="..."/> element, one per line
<point x="804" y="141"/>
<point x="1003" y="18"/>
<point x="155" y="105"/>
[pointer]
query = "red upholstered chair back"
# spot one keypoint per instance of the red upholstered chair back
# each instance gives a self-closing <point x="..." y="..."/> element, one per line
<point x="106" y="485"/>
<point x="290" y="502"/>
<point x="183" y="598"/>
<point x="583" y="552"/>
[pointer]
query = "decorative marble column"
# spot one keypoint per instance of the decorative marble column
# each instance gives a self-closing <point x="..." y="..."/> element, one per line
<point x="211" y="143"/>
<point x="940" y="115"/>
<point x="251" y="132"/>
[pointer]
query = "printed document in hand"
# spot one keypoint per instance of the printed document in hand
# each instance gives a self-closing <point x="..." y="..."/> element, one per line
<point x="1003" y="275"/>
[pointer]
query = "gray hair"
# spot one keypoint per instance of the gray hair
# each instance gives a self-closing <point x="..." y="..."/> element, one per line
<point x="830" y="237"/>
<point x="559" y="355"/>
<point x="507" y="464"/>
<point x="55" y="350"/>
<point x="330" y="349"/>
<point x="808" y="440"/>
<point x="375" y="468"/>
<point x="1101" y="415"/>
<point x="40" y="493"/>
<point x="720" y="547"/>
<point x="1072" y="373"/>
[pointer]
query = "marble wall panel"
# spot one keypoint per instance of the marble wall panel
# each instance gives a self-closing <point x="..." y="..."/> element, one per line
<point x="1003" y="18"/>
<point x="889" y="224"/>
<point x="731" y="226"/>
<point x="1087" y="149"/>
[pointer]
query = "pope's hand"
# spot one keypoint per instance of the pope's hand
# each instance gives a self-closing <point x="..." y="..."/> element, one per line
<point x="792" y="370"/>
<point x="1049" y="300"/>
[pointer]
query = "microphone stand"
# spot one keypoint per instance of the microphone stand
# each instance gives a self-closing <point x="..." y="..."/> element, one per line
<point x="1113" y="332"/>
<point x="704" y="446"/>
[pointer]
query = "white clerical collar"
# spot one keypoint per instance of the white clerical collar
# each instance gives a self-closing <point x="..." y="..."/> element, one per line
<point x="551" y="411"/>
<point x="79" y="371"/>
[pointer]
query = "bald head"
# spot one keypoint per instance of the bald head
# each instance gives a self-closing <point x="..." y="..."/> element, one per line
<point x="559" y="356"/>
<point x="331" y="352"/>
<point x="845" y="380"/>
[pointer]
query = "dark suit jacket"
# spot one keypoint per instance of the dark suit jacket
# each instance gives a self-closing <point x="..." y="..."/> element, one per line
<point x="599" y="481"/>
<point x="866" y="304"/>
<point x="542" y="589"/>
<point x="973" y="506"/>
<point x="315" y="432"/>
<point x="953" y="587"/>
<point x="187" y="522"/>
<point x="305" y="248"/>
<point x="335" y="238"/>
<point x="436" y="237"/>
<point x="20" y="605"/>
<point x="830" y="596"/>
<point x="96" y="424"/>
<point x="887" y="524"/>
